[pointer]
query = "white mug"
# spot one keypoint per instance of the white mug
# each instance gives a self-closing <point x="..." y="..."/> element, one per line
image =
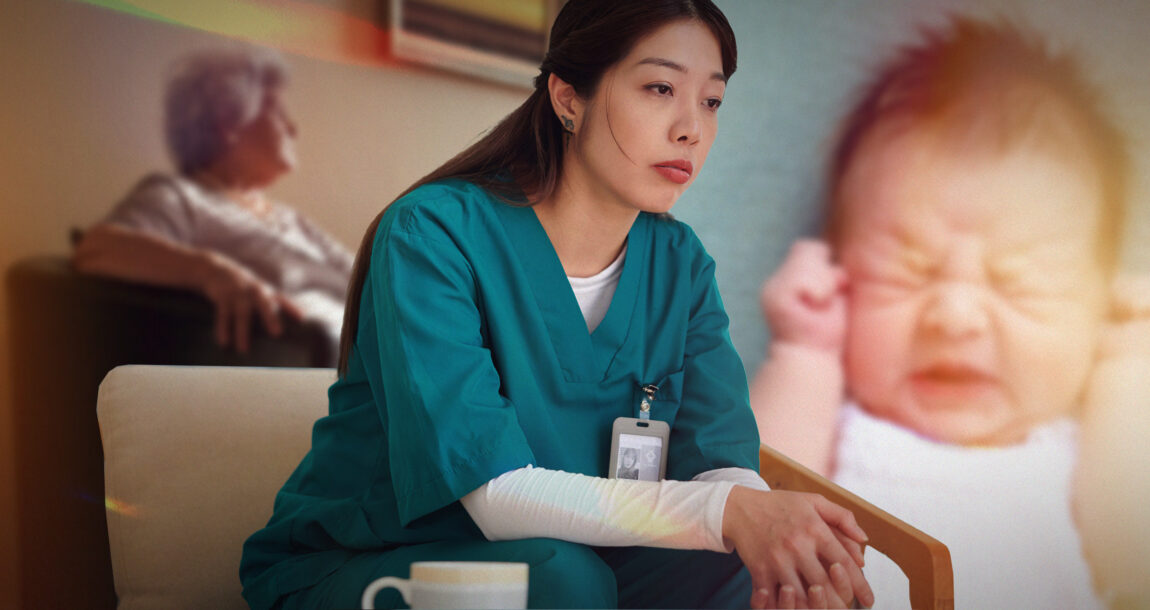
<point x="457" y="584"/>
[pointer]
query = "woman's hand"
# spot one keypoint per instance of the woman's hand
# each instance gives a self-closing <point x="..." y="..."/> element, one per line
<point x="237" y="294"/>
<point x="802" y="550"/>
<point x="804" y="302"/>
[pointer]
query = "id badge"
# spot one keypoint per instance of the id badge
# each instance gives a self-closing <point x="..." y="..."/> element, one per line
<point x="639" y="449"/>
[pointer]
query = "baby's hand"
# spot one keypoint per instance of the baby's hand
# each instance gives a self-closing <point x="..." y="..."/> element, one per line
<point x="1127" y="333"/>
<point x="1112" y="481"/>
<point x="804" y="302"/>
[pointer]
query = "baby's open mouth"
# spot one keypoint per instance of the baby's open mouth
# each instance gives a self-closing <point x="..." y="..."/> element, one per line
<point x="954" y="381"/>
<point x="953" y="374"/>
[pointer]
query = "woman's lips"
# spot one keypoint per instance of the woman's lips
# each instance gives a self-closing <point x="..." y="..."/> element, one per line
<point x="678" y="171"/>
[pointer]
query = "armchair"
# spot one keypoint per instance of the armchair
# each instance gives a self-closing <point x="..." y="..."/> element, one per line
<point x="193" y="457"/>
<point x="924" y="560"/>
<point x="67" y="331"/>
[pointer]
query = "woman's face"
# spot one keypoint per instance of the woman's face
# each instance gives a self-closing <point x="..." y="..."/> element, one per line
<point x="264" y="148"/>
<point x="645" y="133"/>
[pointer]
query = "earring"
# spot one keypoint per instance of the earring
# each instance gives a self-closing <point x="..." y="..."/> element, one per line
<point x="568" y="124"/>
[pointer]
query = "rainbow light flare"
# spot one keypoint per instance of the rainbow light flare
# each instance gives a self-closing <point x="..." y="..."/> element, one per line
<point x="292" y="26"/>
<point x="120" y="507"/>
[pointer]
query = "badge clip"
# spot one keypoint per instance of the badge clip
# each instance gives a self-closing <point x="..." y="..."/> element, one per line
<point x="645" y="404"/>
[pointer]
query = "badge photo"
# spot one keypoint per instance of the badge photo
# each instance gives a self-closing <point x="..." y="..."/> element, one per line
<point x="639" y="449"/>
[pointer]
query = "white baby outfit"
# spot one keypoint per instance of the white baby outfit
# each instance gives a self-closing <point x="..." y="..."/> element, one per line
<point x="1004" y="512"/>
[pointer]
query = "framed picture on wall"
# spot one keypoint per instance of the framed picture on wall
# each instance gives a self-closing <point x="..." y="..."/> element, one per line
<point x="501" y="40"/>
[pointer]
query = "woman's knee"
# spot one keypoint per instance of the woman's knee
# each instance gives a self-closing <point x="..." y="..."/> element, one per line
<point x="567" y="575"/>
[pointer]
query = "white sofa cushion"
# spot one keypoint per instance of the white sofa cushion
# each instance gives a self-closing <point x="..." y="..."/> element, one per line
<point x="193" y="457"/>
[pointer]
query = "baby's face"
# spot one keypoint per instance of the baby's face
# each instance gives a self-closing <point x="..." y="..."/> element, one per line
<point x="976" y="288"/>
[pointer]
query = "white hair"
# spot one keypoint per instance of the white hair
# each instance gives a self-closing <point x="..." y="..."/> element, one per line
<point x="212" y="94"/>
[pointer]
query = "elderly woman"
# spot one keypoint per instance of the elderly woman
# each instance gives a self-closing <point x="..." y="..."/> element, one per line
<point x="211" y="227"/>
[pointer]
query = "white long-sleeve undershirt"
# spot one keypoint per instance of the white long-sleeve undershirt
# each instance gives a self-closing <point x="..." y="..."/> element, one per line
<point x="536" y="502"/>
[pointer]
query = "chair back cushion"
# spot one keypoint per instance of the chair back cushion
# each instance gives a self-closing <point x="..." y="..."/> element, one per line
<point x="193" y="458"/>
<point x="71" y="326"/>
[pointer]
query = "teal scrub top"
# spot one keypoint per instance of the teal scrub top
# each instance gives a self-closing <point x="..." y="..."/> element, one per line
<point x="472" y="359"/>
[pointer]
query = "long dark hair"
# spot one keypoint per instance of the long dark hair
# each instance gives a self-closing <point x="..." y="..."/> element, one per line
<point x="588" y="38"/>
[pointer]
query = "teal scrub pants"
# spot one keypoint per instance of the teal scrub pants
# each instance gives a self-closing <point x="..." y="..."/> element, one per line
<point x="562" y="575"/>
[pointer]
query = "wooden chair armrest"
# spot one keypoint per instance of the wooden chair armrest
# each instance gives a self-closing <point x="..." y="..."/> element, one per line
<point x="924" y="560"/>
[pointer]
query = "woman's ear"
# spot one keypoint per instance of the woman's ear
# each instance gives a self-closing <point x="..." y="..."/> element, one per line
<point x="566" y="103"/>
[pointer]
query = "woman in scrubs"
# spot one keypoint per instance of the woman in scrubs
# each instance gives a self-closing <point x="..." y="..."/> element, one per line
<point x="504" y="311"/>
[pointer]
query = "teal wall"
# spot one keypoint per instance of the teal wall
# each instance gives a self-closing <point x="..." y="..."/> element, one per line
<point x="800" y="63"/>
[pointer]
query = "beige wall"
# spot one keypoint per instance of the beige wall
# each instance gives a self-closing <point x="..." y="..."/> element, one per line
<point x="79" y="120"/>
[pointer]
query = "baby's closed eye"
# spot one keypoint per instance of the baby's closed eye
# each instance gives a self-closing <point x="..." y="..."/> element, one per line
<point x="1015" y="282"/>
<point x="1018" y="278"/>
<point x="906" y="271"/>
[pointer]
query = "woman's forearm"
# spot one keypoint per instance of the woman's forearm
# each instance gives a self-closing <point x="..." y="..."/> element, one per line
<point x="537" y="502"/>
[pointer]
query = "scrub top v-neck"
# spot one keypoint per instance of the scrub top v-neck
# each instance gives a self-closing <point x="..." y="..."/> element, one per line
<point x="472" y="359"/>
<point x="582" y="356"/>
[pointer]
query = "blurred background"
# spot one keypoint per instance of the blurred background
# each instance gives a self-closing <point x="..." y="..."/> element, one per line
<point x="81" y="109"/>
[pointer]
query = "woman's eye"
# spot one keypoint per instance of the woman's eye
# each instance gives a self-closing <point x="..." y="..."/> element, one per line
<point x="660" y="88"/>
<point x="713" y="103"/>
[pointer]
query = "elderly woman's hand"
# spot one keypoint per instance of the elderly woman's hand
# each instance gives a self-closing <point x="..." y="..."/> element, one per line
<point x="237" y="294"/>
<point x="802" y="550"/>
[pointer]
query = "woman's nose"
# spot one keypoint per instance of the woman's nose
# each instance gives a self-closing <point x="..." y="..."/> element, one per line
<point x="687" y="127"/>
<point x="956" y="310"/>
